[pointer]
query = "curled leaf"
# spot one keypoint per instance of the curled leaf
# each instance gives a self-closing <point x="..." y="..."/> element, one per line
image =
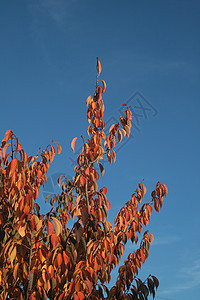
<point x="58" y="226"/>
<point x="73" y="143"/>
<point x="59" y="180"/>
<point x="8" y="134"/>
<point x="59" y="148"/>
<point x="104" y="85"/>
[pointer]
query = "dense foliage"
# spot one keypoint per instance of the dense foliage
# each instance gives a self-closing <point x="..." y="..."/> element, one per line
<point x="41" y="257"/>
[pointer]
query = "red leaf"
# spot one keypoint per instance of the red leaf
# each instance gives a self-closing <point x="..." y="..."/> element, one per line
<point x="54" y="240"/>
<point x="50" y="228"/>
<point x="104" y="190"/>
<point x="108" y="205"/>
<point x="59" y="259"/>
<point x="89" y="285"/>
<point x="61" y="296"/>
<point x="8" y="135"/>
<point x="73" y="143"/>
<point x="81" y="295"/>
<point x="75" y="297"/>
<point x="83" y="180"/>
<point x="13" y="165"/>
<point x="87" y="171"/>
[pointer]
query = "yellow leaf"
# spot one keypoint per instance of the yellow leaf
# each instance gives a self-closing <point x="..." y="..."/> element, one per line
<point x="21" y="231"/>
<point x="58" y="226"/>
<point x="13" y="255"/>
<point x="89" y="99"/>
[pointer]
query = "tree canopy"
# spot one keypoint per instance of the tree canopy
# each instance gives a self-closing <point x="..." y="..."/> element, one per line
<point x="41" y="257"/>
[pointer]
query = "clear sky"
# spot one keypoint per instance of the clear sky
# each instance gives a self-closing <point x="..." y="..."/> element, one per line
<point x="150" y="54"/>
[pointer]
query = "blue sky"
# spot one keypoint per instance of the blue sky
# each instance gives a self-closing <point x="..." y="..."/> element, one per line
<point x="149" y="52"/>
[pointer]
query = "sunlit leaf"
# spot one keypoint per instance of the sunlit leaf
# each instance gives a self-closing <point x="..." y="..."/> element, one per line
<point x="50" y="228"/>
<point x="83" y="180"/>
<point x="59" y="148"/>
<point x="58" y="226"/>
<point x="73" y="143"/>
<point x="104" y="85"/>
<point x="54" y="240"/>
<point x="98" y="66"/>
<point x="13" y="165"/>
<point x="8" y="134"/>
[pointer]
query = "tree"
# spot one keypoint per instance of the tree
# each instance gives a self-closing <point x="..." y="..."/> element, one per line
<point x="40" y="256"/>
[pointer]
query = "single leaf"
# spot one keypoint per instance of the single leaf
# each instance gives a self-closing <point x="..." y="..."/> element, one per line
<point x="8" y="134"/>
<point x="98" y="66"/>
<point x="59" y="148"/>
<point x="58" y="226"/>
<point x="50" y="228"/>
<point x="13" y="165"/>
<point x="120" y="136"/>
<point x="101" y="169"/>
<point x="104" y="85"/>
<point x="13" y="254"/>
<point x="73" y="143"/>
<point x="127" y="129"/>
<point x="156" y="281"/>
<point x="59" y="180"/>
<point x="83" y="180"/>
<point x="87" y="171"/>
<point x="59" y="259"/>
<point x="88" y="101"/>
<point x="54" y="240"/>
<point x="104" y="190"/>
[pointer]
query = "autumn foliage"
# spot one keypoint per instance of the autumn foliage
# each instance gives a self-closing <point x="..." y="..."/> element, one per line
<point x="41" y="257"/>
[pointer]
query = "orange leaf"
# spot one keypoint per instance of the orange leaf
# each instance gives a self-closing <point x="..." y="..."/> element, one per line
<point x="94" y="105"/>
<point x="98" y="66"/>
<point x="51" y="270"/>
<point x="83" y="180"/>
<point x="75" y="297"/>
<point x="89" y="99"/>
<point x="59" y="259"/>
<point x="108" y="205"/>
<point x="73" y="143"/>
<point x="54" y="240"/>
<point x="87" y="171"/>
<point x="81" y="295"/>
<point x="50" y="228"/>
<point x="8" y="135"/>
<point x="104" y="85"/>
<point x="13" y="165"/>
<point x="59" y="148"/>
